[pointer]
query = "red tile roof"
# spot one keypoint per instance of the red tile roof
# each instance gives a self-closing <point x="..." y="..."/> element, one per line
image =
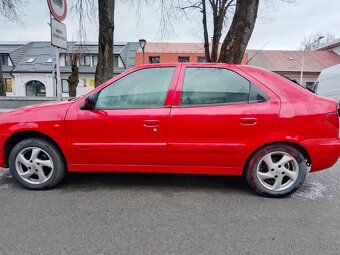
<point x="287" y="60"/>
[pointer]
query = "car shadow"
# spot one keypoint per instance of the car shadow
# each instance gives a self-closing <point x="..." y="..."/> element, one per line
<point x="95" y="181"/>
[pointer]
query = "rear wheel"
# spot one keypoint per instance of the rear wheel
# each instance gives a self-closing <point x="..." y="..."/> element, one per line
<point x="276" y="170"/>
<point x="37" y="164"/>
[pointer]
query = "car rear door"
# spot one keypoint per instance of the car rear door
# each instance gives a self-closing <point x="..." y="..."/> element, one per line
<point x="219" y="118"/>
<point x="128" y="125"/>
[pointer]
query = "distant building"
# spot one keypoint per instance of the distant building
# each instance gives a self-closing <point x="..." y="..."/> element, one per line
<point x="29" y="71"/>
<point x="288" y="63"/>
<point x="283" y="62"/>
<point x="28" y="67"/>
<point x="333" y="46"/>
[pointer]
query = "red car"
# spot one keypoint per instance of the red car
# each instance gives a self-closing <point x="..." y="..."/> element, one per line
<point x="178" y="118"/>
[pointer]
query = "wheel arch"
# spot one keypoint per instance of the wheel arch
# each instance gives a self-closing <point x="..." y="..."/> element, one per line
<point x="22" y="135"/>
<point x="292" y="144"/>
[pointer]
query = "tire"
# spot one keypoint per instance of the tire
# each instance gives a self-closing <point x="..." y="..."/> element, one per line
<point x="276" y="170"/>
<point x="36" y="163"/>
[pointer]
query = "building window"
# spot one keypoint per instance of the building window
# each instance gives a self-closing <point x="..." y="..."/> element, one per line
<point x="30" y="60"/>
<point x="94" y="60"/>
<point x="35" y="88"/>
<point x="68" y="61"/>
<point x="4" y="60"/>
<point x="154" y="60"/>
<point x="85" y="60"/>
<point x="8" y="85"/>
<point x="64" y="86"/>
<point x="115" y="61"/>
<point x="200" y="59"/>
<point x="183" y="59"/>
<point x="49" y="60"/>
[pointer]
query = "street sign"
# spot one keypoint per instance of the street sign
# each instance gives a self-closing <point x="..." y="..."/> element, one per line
<point x="58" y="9"/>
<point x="58" y="34"/>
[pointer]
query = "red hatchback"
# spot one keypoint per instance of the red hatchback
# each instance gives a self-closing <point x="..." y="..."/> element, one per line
<point x="178" y="118"/>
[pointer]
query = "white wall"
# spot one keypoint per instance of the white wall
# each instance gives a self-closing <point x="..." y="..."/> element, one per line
<point x="20" y="81"/>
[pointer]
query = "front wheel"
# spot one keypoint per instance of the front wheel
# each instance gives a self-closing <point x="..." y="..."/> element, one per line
<point x="276" y="170"/>
<point x="36" y="163"/>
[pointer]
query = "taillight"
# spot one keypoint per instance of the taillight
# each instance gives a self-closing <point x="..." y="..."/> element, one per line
<point x="333" y="118"/>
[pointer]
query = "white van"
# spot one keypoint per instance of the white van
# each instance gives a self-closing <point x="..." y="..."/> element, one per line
<point x="328" y="83"/>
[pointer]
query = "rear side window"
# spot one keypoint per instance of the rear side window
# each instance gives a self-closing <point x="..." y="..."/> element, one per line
<point x="214" y="86"/>
<point x="256" y="95"/>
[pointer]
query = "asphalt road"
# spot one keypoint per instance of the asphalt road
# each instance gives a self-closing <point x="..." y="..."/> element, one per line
<point x="168" y="214"/>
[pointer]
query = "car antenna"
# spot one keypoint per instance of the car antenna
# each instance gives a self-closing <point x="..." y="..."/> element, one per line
<point x="258" y="52"/>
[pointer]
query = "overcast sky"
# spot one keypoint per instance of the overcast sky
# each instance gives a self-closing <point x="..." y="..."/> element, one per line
<point x="281" y="24"/>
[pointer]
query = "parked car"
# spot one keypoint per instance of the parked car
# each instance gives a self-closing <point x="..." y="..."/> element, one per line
<point x="328" y="83"/>
<point x="178" y="118"/>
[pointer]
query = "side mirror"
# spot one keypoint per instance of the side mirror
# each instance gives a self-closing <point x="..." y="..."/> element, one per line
<point x="90" y="102"/>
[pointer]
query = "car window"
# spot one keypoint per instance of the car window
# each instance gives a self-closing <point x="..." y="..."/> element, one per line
<point x="213" y="86"/>
<point x="140" y="89"/>
<point x="256" y="95"/>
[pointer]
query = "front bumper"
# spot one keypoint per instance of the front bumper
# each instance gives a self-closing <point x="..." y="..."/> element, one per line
<point x="324" y="153"/>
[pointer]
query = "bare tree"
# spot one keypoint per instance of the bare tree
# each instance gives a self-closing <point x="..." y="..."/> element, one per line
<point x="84" y="8"/>
<point x="244" y="14"/>
<point x="307" y="42"/>
<point x="219" y="10"/>
<point x="11" y="8"/>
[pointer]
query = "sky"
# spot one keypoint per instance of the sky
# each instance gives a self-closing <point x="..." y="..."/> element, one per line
<point x="280" y="25"/>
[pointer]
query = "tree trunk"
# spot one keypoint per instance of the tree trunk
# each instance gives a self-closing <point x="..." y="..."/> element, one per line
<point x="235" y="43"/>
<point x="73" y="79"/>
<point x="218" y="18"/>
<point x="205" y="33"/>
<point x="2" y="83"/>
<point x="104" y="69"/>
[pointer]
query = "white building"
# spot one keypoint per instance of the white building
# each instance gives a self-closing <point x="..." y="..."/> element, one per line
<point x="29" y="69"/>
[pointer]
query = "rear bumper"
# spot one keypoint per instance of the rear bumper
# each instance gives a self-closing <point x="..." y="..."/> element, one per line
<point x="324" y="153"/>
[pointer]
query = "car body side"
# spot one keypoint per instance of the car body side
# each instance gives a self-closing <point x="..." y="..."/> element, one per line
<point x="290" y="115"/>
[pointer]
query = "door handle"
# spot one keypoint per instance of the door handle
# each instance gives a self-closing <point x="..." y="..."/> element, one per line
<point x="248" y="121"/>
<point x="151" y="123"/>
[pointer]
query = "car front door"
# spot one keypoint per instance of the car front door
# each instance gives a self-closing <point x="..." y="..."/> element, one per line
<point x="128" y="125"/>
<point x="219" y="118"/>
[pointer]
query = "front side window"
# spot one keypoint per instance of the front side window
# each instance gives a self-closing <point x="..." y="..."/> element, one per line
<point x="213" y="86"/>
<point x="145" y="88"/>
